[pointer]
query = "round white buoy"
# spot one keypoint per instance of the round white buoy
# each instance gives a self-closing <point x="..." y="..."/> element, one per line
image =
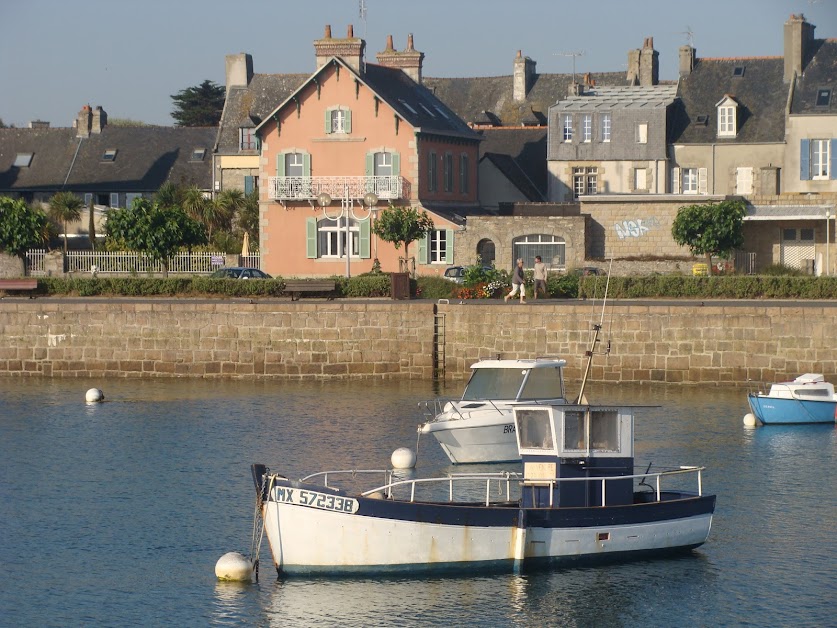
<point x="234" y="566"/>
<point x="750" y="419"/>
<point x="94" y="395"/>
<point x="403" y="458"/>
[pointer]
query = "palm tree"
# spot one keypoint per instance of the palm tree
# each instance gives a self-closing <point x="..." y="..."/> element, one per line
<point x="65" y="207"/>
<point x="193" y="202"/>
<point x="168" y="195"/>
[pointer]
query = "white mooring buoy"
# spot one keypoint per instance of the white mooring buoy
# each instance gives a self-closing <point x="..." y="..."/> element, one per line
<point x="234" y="567"/>
<point x="403" y="458"/>
<point x="94" y="395"/>
<point x="750" y="419"/>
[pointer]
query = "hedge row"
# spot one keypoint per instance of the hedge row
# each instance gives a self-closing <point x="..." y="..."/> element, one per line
<point x="716" y="287"/>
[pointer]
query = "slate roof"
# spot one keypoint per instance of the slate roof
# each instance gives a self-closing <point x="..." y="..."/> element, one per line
<point x="249" y="106"/>
<point x="820" y="73"/>
<point x="146" y="157"/>
<point x="413" y="102"/>
<point x="760" y="93"/>
<point x="606" y="98"/>
<point x="491" y="98"/>
<point x="520" y="153"/>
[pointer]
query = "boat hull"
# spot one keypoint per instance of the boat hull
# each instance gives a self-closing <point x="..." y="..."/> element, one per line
<point x="772" y="410"/>
<point x="360" y="535"/>
<point x="482" y="437"/>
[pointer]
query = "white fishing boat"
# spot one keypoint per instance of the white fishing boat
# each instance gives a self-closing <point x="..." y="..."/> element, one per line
<point x="807" y="399"/>
<point x="579" y="500"/>
<point x="479" y="427"/>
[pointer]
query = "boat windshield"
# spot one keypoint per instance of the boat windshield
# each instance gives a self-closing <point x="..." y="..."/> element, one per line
<point x="490" y="383"/>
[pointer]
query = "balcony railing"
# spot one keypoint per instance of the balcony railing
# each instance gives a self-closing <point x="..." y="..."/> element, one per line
<point x="308" y="188"/>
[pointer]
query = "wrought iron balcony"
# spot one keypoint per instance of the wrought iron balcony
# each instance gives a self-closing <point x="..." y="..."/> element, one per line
<point x="308" y="188"/>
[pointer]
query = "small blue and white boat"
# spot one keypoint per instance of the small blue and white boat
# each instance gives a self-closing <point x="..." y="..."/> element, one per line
<point x="578" y="501"/>
<point x="807" y="399"/>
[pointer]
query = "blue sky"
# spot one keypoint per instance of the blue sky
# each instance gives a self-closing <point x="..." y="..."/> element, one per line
<point x="130" y="56"/>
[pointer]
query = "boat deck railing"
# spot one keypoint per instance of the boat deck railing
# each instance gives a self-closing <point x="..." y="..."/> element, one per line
<point x="501" y="483"/>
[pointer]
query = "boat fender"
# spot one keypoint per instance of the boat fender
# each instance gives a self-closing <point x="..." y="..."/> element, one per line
<point x="235" y="567"/>
<point x="750" y="419"/>
<point x="94" y="395"/>
<point x="403" y="458"/>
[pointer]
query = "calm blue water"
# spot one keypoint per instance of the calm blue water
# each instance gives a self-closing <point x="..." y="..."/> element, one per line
<point x="115" y="514"/>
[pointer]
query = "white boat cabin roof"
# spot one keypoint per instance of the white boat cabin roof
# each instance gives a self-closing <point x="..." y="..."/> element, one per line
<point x="520" y="364"/>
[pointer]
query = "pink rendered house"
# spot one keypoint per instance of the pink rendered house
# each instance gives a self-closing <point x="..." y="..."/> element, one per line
<point x="353" y="139"/>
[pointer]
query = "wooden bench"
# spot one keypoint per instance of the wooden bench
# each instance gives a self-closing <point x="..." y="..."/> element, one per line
<point x="13" y="285"/>
<point x="296" y="287"/>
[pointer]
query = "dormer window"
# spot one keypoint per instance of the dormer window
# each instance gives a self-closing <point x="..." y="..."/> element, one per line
<point x="109" y="155"/>
<point x="22" y="160"/>
<point x="338" y="120"/>
<point x="247" y="139"/>
<point x="727" y="126"/>
<point x="823" y="97"/>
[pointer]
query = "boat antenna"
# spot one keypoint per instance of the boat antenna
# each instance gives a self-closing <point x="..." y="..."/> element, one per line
<point x="596" y="328"/>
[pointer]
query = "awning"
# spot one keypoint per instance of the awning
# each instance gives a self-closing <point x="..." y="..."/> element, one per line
<point x="790" y="212"/>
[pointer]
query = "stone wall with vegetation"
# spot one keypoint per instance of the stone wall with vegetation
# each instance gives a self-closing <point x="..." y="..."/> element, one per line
<point x="724" y="343"/>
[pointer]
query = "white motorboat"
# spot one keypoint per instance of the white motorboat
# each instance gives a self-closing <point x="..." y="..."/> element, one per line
<point x="807" y="399"/>
<point x="479" y="427"/>
<point x="578" y="501"/>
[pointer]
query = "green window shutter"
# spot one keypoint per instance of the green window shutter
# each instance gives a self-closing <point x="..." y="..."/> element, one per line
<point x="280" y="165"/>
<point x="365" y="230"/>
<point x="396" y="164"/>
<point x="449" y="246"/>
<point x="306" y="164"/>
<point x="348" y="122"/>
<point x="248" y="185"/>
<point x="804" y="160"/>
<point x="422" y="256"/>
<point x="370" y="164"/>
<point x="311" y="238"/>
<point x="328" y="121"/>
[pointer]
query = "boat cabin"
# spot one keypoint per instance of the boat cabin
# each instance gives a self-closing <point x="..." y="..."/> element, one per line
<point x="563" y="446"/>
<point x="516" y="380"/>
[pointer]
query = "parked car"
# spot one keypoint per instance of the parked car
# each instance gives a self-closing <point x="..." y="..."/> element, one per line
<point x="235" y="272"/>
<point x="583" y="271"/>
<point x="457" y="273"/>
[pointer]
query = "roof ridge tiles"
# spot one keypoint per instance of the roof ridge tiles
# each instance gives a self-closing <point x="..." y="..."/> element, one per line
<point x="740" y="58"/>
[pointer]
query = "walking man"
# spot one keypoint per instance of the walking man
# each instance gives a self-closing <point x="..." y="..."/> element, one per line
<point x="540" y="276"/>
<point x="517" y="282"/>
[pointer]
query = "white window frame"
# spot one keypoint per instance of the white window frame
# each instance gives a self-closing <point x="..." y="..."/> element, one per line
<point x="567" y="127"/>
<point x="382" y="164"/>
<point x="585" y="180"/>
<point x="437" y="244"/>
<point x="640" y="179"/>
<point x="607" y="123"/>
<point x="642" y="133"/>
<point x="820" y="159"/>
<point x="331" y="237"/>
<point x="294" y="161"/>
<point x="247" y="139"/>
<point x="587" y="127"/>
<point x="689" y="180"/>
<point x="338" y="121"/>
<point x="726" y="121"/>
<point x="114" y="199"/>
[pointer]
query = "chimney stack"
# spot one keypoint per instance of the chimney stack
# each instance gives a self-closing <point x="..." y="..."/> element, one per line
<point x="524" y="74"/>
<point x="350" y="50"/>
<point x="84" y="121"/>
<point x="409" y="60"/>
<point x="239" y="70"/>
<point x="799" y="35"/>
<point x="644" y="64"/>
<point x="98" y="121"/>
<point x="687" y="60"/>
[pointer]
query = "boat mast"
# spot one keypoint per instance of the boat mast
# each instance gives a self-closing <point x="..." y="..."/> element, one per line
<point x="592" y="349"/>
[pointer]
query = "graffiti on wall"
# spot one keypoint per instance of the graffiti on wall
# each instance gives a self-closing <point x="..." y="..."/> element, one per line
<point x="635" y="228"/>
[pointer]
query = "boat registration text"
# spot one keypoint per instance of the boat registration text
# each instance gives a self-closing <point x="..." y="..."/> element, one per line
<point x="313" y="499"/>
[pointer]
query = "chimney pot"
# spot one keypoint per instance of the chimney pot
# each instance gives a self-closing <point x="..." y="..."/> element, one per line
<point x="389" y="42"/>
<point x="328" y="31"/>
<point x="351" y="32"/>
<point x="410" y="41"/>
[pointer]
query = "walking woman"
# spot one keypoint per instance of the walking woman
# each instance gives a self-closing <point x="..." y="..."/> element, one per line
<point x="517" y="282"/>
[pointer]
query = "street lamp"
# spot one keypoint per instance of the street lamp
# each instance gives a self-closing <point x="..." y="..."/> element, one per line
<point x="370" y="199"/>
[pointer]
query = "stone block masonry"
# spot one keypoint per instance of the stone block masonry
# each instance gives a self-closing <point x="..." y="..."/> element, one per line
<point x="723" y="343"/>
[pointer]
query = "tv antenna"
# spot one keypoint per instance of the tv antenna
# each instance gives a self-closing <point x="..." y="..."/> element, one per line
<point x="362" y="14"/>
<point x="690" y="36"/>
<point x="570" y="54"/>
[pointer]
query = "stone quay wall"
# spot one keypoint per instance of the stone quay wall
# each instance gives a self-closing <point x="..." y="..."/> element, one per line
<point x="723" y="343"/>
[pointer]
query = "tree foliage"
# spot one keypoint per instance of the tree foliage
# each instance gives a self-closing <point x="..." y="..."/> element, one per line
<point x="402" y="225"/>
<point x="201" y="105"/>
<point x="154" y="230"/>
<point x="21" y="226"/>
<point x="65" y="207"/>
<point x="710" y="228"/>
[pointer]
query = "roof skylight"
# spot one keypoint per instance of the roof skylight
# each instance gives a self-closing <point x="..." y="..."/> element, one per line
<point x="22" y="160"/>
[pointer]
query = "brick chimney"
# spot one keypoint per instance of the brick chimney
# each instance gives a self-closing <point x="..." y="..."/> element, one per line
<point x="524" y="74"/>
<point x="799" y="35"/>
<point x="644" y="64"/>
<point x="408" y="60"/>
<point x="84" y="121"/>
<point x="239" y="70"/>
<point x="99" y="120"/>
<point x="350" y="49"/>
<point x="687" y="60"/>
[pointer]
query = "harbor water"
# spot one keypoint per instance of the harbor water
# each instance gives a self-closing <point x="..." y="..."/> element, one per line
<point x="114" y="514"/>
